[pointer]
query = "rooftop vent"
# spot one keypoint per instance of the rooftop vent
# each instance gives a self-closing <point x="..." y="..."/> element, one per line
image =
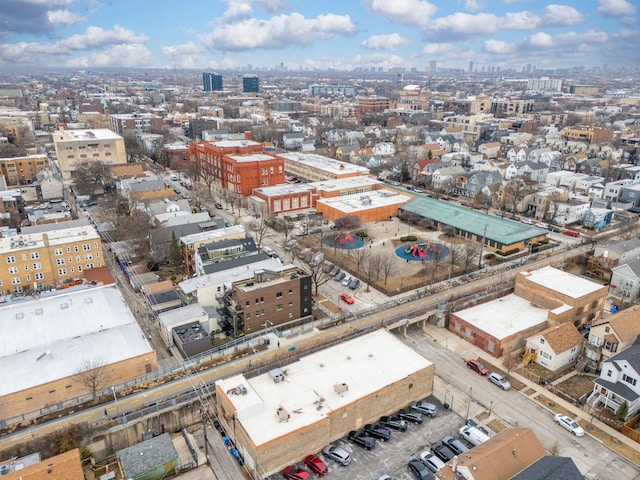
<point x="340" y="388"/>
<point x="277" y="375"/>
<point x="282" y="414"/>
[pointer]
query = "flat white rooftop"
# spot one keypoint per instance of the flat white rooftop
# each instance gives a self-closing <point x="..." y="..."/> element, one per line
<point x="562" y="282"/>
<point x="364" y="201"/>
<point x="504" y="316"/>
<point x="61" y="236"/>
<point x="84" y="135"/>
<point x="212" y="234"/>
<point x="365" y="364"/>
<point x="345" y="183"/>
<point x="284" y="189"/>
<point x="253" y="157"/>
<point x="319" y="162"/>
<point x="47" y="339"/>
<point x="234" y="143"/>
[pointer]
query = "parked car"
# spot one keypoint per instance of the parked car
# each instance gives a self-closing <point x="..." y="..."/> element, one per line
<point x="218" y="206"/>
<point x="316" y="465"/>
<point x="473" y="435"/>
<point x="526" y="221"/>
<point x="394" y="422"/>
<point x="411" y="416"/>
<point x="499" y="380"/>
<point x="442" y="451"/>
<point x="454" y="444"/>
<point x="337" y="454"/>
<point x="570" y="233"/>
<point x="542" y="225"/>
<point x="347" y="298"/>
<point x="354" y="283"/>
<point x="295" y="473"/>
<point x="339" y="276"/>
<point x="426" y="408"/>
<point x="569" y="423"/>
<point x="477" y="367"/>
<point x="431" y="461"/>
<point x="420" y="470"/>
<point x="378" y="431"/>
<point x="334" y="271"/>
<point x="362" y="439"/>
<point x="345" y="281"/>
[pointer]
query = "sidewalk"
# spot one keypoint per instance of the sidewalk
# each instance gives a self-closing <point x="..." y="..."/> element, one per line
<point x="464" y="349"/>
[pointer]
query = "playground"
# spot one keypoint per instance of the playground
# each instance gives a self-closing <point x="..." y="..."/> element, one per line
<point x="344" y="241"/>
<point x="422" y="251"/>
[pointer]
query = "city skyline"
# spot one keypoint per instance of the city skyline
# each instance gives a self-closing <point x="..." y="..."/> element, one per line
<point x="305" y="35"/>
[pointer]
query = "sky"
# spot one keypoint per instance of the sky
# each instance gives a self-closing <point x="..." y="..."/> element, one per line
<point x="211" y="35"/>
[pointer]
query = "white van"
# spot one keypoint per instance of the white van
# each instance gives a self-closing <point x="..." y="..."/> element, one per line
<point x="173" y="176"/>
<point x="473" y="435"/>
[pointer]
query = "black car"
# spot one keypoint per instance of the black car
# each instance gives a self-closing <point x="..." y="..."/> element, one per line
<point x="411" y="416"/>
<point x="443" y="451"/>
<point x="378" y="431"/>
<point x="362" y="439"/>
<point x="394" y="422"/>
<point x="420" y="470"/>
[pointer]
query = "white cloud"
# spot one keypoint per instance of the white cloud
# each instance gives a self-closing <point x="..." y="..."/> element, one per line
<point x="541" y="40"/>
<point x="615" y="8"/>
<point x="378" y="59"/>
<point x="64" y="17"/>
<point x="237" y="10"/>
<point x="273" y="6"/>
<point x="498" y="47"/>
<point x="465" y="25"/>
<point x="520" y="21"/>
<point x="560" y="16"/>
<point x="131" y="55"/>
<point x="449" y="50"/>
<point x="95" y="37"/>
<point x="278" y="32"/>
<point x="384" y="42"/>
<point x="187" y="55"/>
<point x="406" y="12"/>
<point x="472" y="5"/>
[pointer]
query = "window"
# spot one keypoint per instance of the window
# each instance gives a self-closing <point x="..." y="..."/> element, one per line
<point x="68" y="249"/>
<point x="279" y="295"/>
<point x="279" y="306"/>
<point x="24" y="256"/>
<point x="15" y="280"/>
<point x="60" y="261"/>
<point x="70" y="259"/>
<point x="11" y="259"/>
<point x="13" y="270"/>
<point x="291" y="303"/>
<point x="37" y="266"/>
<point x="39" y="276"/>
<point x="290" y="291"/>
<point x="76" y="249"/>
<point x="607" y="329"/>
<point x="35" y="255"/>
<point x="62" y="271"/>
<point x="57" y="251"/>
<point x="89" y="265"/>
<point x="26" y="267"/>
<point x="28" y="278"/>
<point x="79" y="268"/>
<point x="86" y="246"/>
<point x="610" y="346"/>
<point x="628" y="379"/>
<point x="542" y="341"/>
<point x="78" y="259"/>
<point x="88" y="256"/>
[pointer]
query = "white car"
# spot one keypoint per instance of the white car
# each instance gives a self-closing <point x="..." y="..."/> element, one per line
<point x="570" y="424"/>
<point x="526" y="221"/>
<point x="431" y="461"/>
<point x="499" y="380"/>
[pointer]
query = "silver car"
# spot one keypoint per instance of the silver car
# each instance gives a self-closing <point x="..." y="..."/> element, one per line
<point x="499" y="380"/>
<point x="432" y="462"/>
<point x="337" y="454"/>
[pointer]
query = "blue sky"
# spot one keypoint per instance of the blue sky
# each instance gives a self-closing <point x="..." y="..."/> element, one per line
<point x="346" y="34"/>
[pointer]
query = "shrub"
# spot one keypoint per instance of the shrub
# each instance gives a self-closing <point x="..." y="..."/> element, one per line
<point x="408" y="238"/>
<point x="361" y="234"/>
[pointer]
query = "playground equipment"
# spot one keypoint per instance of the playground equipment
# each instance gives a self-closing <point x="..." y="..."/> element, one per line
<point x="342" y="238"/>
<point x="416" y="250"/>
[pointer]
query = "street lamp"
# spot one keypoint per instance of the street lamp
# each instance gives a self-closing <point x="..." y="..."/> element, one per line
<point x="115" y="398"/>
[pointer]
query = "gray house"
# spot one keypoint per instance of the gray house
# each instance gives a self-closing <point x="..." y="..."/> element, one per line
<point x="625" y="281"/>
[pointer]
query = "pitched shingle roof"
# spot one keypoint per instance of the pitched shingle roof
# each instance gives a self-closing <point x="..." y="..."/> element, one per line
<point x="625" y="324"/>
<point x="562" y="337"/>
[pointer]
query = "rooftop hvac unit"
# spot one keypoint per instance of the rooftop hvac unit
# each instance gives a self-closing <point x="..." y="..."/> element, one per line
<point x="277" y="375"/>
<point x="340" y="388"/>
<point x="282" y="414"/>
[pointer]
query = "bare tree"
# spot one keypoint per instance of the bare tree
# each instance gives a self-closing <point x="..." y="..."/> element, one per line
<point x="470" y="254"/>
<point x="456" y="252"/>
<point x="436" y="261"/>
<point x="348" y="222"/>
<point x="318" y="275"/>
<point x="259" y="227"/>
<point x="208" y="178"/>
<point x="388" y="266"/>
<point x="93" y="375"/>
<point x="359" y="255"/>
<point x="133" y="225"/>
<point x="371" y="268"/>
<point x="89" y="176"/>
<point x="133" y="146"/>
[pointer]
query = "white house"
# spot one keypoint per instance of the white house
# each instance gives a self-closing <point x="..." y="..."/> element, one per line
<point x="571" y="211"/>
<point x="619" y="381"/>
<point x="384" y="149"/>
<point x="557" y="346"/>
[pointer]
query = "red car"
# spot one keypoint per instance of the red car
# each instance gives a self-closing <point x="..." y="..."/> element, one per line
<point x="295" y="473"/>
<point x="476" y="366"/>
<point x="347" y="298"/>
<point x="316" y="465"/>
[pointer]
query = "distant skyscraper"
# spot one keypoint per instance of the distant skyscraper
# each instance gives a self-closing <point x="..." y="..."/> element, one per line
<point x="528" y="70"/>
<point x="250" y="83"/>
<point x="470" y="67"/>
<point x="211" y="82"/>
<point x="433" y="66"/>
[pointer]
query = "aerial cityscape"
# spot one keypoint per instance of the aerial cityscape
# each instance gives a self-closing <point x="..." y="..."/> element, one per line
<point x="283" y="240"/>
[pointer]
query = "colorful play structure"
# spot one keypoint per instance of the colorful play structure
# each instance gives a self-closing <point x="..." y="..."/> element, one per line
<point x="343" y="237"/>
<point x="344" y="240"/>
<point x="422" y="251"/>
<point x="416" y="250"/>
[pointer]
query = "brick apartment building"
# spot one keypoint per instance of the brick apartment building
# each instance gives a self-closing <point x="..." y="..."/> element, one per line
<point x="22" y="170"/>
<point x="48" y="256"/>
<point x="135" y="122"/>
<point x="239" y="166"/>
<point x="373" y="104"/>
<point x="585" y="133"/>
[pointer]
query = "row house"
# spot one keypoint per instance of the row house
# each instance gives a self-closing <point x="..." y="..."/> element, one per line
<point x="625" y="281"/>
<point x="490" y="149"/>
<point x="610" y="254"/>
<point x="470" y="184"/>
<point x="611" y="336"/>
<point x="536" y="172"/>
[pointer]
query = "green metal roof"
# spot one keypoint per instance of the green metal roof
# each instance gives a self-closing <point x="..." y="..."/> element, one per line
<point x="501" y="230"/>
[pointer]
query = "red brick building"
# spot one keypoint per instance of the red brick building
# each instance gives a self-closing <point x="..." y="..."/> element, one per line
<point x="373" y="104"/>
<point x="239" y="166"/>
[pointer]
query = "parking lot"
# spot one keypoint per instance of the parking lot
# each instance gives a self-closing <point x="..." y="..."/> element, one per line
<point x="391" y="457"/>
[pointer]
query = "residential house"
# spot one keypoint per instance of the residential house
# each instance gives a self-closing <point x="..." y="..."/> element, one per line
<point x="358" y="154"/>
<point x="48" y="185"/>
<point x="477" y="181"/>
<point x="583" y="184"/>
<point x="610" y="254"/>
<point x="597" y="218"/>
<point x="384" y="149"/>
<point x="530" y="170"/>
<point x="619" y="382"/>
<point x="625" y="281"/>
<point x="557" y="347"/>
<point x="631" y="194"/>
<point x="551" y="468"/>
<point x="430" y="151"/>
<point x="517" y="154"/>
<point x="490" y="149"/>
<point x="292" y="140"/>
<point x="570" y="211"/>
<point x="612" y="335"/>
<point x="444" y="177"/>
<point x="418" y="167"/>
